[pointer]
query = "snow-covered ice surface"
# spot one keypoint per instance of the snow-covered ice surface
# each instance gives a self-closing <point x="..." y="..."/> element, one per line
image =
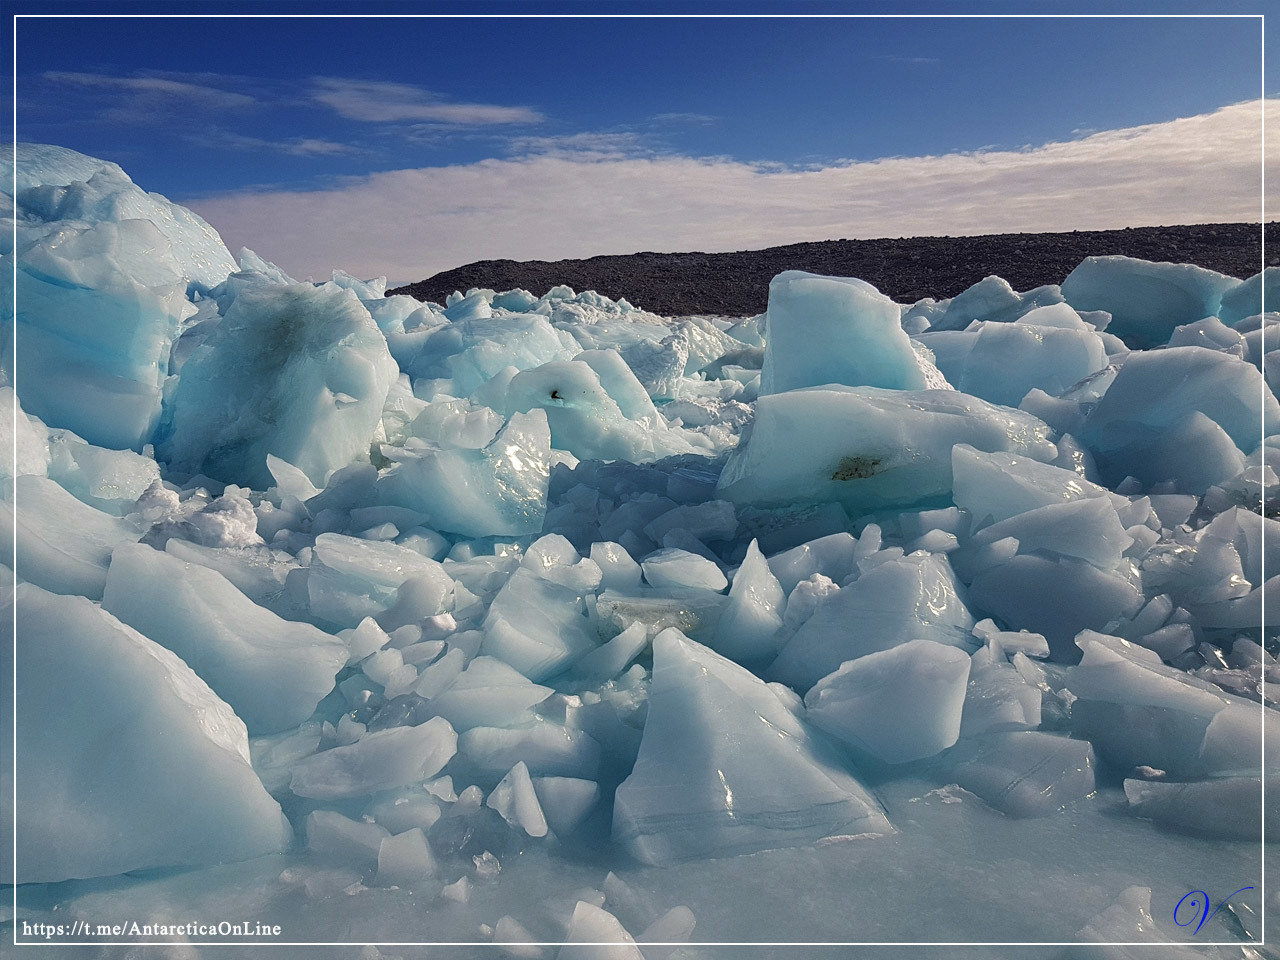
<point x="521" y="620"/>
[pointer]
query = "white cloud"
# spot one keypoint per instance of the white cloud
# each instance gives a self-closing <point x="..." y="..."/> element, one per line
<point x="149" y="92"/>
<point x="378" y="102"/>
<point x="294" y="146"/>
<point x="409" y="224"/>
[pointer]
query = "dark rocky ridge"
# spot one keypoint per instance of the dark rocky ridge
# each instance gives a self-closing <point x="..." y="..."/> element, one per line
<point x="737" y="284"/>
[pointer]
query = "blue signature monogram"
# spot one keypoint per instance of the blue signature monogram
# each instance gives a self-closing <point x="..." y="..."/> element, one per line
<point x="1200" y="902"/>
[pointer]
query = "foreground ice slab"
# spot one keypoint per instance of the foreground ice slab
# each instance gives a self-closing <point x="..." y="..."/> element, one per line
<point x="869" y="449"/>
<point x="129" y="761"/>
<point x="293" y="370"/>
<point x="272" y="672"/>
<point x="725" y="768"/>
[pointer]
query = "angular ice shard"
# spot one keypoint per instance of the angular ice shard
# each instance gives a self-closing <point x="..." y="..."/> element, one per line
<point x="107" y="480"/>
<point x="726" y="768"/>
<point x="537" y="626"/>
<point x="547" y="749"/>
<point x="677" y="568"/>
<point x="915" y="597"/>
<point x="998" y="698"/>
<point x="1175" y="415"/>
<point x="270" y="671"/>
<point x="515" y="800"/>
<point x="596" y="934"/>
<point x="836" y="330"/>
<point x="63" y="545"/>
<point x="488" y="693"/>
<point x="1088" y="529"/>
<point x="1056" y="597"/>
<point x="750" y="622"/>
<point x="498" y="490"/>
<point x="1138" y="712"/>
<point x="351" y="578"/>
<point x="128" y="760"/>
<point x="296" y="371"/>
<point x="1024" y="773"/>
<point x="898" y="705"/>
<point x="1146" y="300"/>
<point x="998" y="485"/>
<point x="566" y="801"/>
<point x="377" y="761"/>
<point x="869" y="449"/>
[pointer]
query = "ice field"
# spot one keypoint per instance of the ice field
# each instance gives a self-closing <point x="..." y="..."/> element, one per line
<point x="549" y="627"/>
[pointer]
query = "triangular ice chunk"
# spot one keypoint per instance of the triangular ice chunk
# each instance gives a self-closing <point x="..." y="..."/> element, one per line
<point x="128" y="760"/>
<point x="725" y="768"/>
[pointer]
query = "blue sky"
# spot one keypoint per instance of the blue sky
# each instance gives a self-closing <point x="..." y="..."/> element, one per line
<point x="283" y="130"/>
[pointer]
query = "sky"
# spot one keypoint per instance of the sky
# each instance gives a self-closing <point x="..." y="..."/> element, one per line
<point x="402" y="147"/>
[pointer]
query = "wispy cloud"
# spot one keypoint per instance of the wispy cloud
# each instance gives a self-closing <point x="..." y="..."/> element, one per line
<point x="140" y="99"/>
<point x="583" y="145"/>
<point x="409" y="224"/>
<point x="693" y="119"/>
<point x="379" y="102"/>
<point x="292" y="146"/>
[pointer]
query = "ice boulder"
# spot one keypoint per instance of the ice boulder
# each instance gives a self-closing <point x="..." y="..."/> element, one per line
<point x="1246" y="300"/>
<point x="297" y="371"/>
<point x="1005" y="361"/>
<point x="1226" y="807"/>
<point x="837" y="330"/>
<point x="993" y="299"/>
<point x="129" y="761"/>
<point x="107" y="480"/>
<point x="1146" y="300"/>
<point x="537" y="626"/>
<point x="726" y="768"/>
<point x="55" y="183"/>
<point x="869" y="449"/>
<point x="499" y="489"/>
<point x="1186" y="415"/>
<point x="914" y="597"/>
<point x="271" y="672"/>
<point x="898" y="705"/>
<point x="98" y="310"/>
<point x="586" y="419"/>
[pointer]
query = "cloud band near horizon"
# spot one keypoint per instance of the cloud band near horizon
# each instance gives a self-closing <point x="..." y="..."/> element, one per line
<point x="410" y="224"/>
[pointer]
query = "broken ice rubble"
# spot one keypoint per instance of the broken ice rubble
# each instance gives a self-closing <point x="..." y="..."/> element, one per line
<point x="511" y="584"/>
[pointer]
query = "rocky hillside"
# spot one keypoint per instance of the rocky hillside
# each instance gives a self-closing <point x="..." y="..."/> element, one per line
<point x="737" y="284"/>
